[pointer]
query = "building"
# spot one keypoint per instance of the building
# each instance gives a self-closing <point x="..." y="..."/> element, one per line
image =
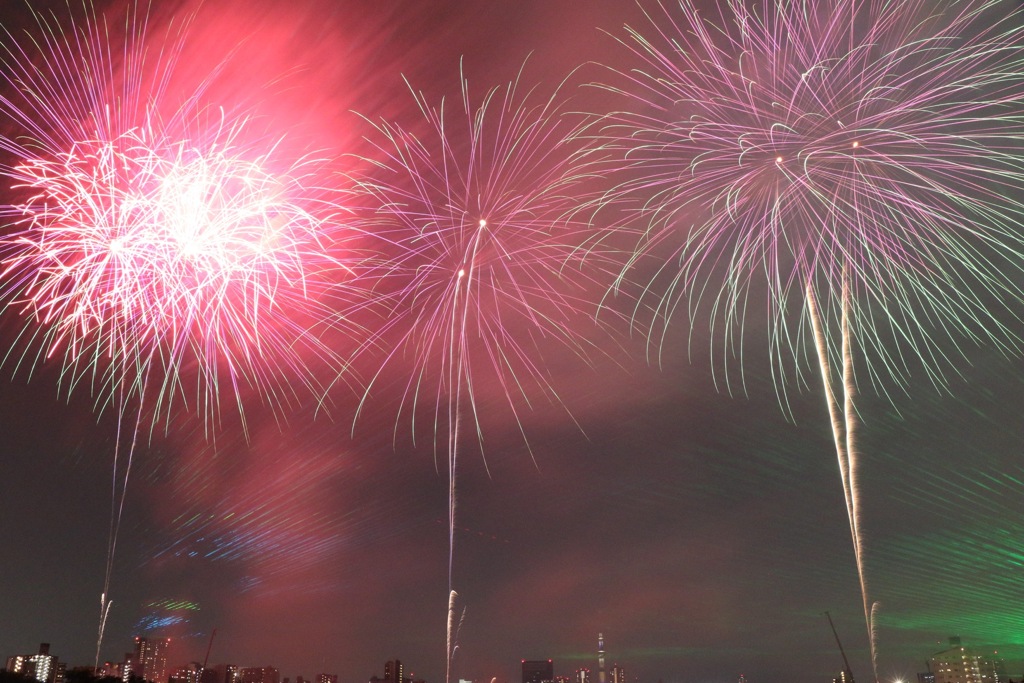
<point x="223" y="673"/>
<point x="15" y="664"/>
<point x="148" y="661"/>
<point x="110" y="670"/>
<point x="582" y="676"/>
<point x="192" y="673"/>
<point x="538" y="670"/>
<point x="41" y="666"/>
<point x="127" y="666"/>
<point x="259" y="674"/>
<point x="619" y="674"/>
<point x="327" y="678"/>
<point x="960" y="664"/>
<point x="393" y="672"/>
<point x="927" y="677"/>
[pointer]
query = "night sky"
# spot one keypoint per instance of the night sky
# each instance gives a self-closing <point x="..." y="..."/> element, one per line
<point x="700" y="527"/>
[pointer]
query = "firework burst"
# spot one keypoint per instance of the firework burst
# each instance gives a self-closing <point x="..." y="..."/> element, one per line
<point x="152" y="238"/>
<point x="137" y="260"/>
<point x="477" y="219"/>
<point x="802" y="144"/>
<point x="161" y="251"/>
<point x="475" y="209"/>
<point x="859" y="161"/>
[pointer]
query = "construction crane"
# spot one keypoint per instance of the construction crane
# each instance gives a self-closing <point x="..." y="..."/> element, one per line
<point x="209" y="647"/>
<point x="846" y="662"/>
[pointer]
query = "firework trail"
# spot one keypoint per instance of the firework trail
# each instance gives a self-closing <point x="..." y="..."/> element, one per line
<point x="858" y="161"/>
<point x="161" y="253"/>
<point x="475" y="212"/>
<point x="453" y="629"/>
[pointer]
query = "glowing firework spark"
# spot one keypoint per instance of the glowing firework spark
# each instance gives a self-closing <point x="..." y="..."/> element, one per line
<point x="805" y="141"/>
<point x="134" y="258"/>
<point x="863" y="157"/>
<point x="479" y="213"/>
<point x="159" y="250"/>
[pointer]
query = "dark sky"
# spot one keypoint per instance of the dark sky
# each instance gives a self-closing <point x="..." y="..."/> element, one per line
<point x="704" y="534"/>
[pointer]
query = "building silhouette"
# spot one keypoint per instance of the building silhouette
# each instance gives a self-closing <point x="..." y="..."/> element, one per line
<point x="191" y="673"/>
<point x="259" y="674"/>
<point x="148" y="661"/>
<point x="393" y="672"/>
<point x="538" y="670"/>
<point x="222" y="673"/>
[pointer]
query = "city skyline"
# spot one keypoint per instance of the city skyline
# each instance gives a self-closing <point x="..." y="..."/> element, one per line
<point x="955" y="663"/>
<point x="681" y="506"/>
<point x="148" y="661"/>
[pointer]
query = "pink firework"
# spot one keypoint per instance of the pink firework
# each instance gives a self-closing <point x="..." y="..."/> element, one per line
<point x="147" y="251"/>
<point x="475" y="211"/>
<point x="483" y="281"/>
<point x="163" y="251"/>
<point x="136" y="260"/>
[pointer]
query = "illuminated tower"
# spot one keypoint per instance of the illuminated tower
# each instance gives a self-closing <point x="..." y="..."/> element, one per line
<point x="601" y="677"/>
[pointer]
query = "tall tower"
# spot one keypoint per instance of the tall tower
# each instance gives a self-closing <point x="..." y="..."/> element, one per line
<point x="601" y="677"/>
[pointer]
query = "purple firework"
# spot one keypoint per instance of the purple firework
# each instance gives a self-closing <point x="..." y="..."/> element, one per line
<point x="476" y="208"/>
<point x="792" y="146"/>
<point x="856" y="161"/>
